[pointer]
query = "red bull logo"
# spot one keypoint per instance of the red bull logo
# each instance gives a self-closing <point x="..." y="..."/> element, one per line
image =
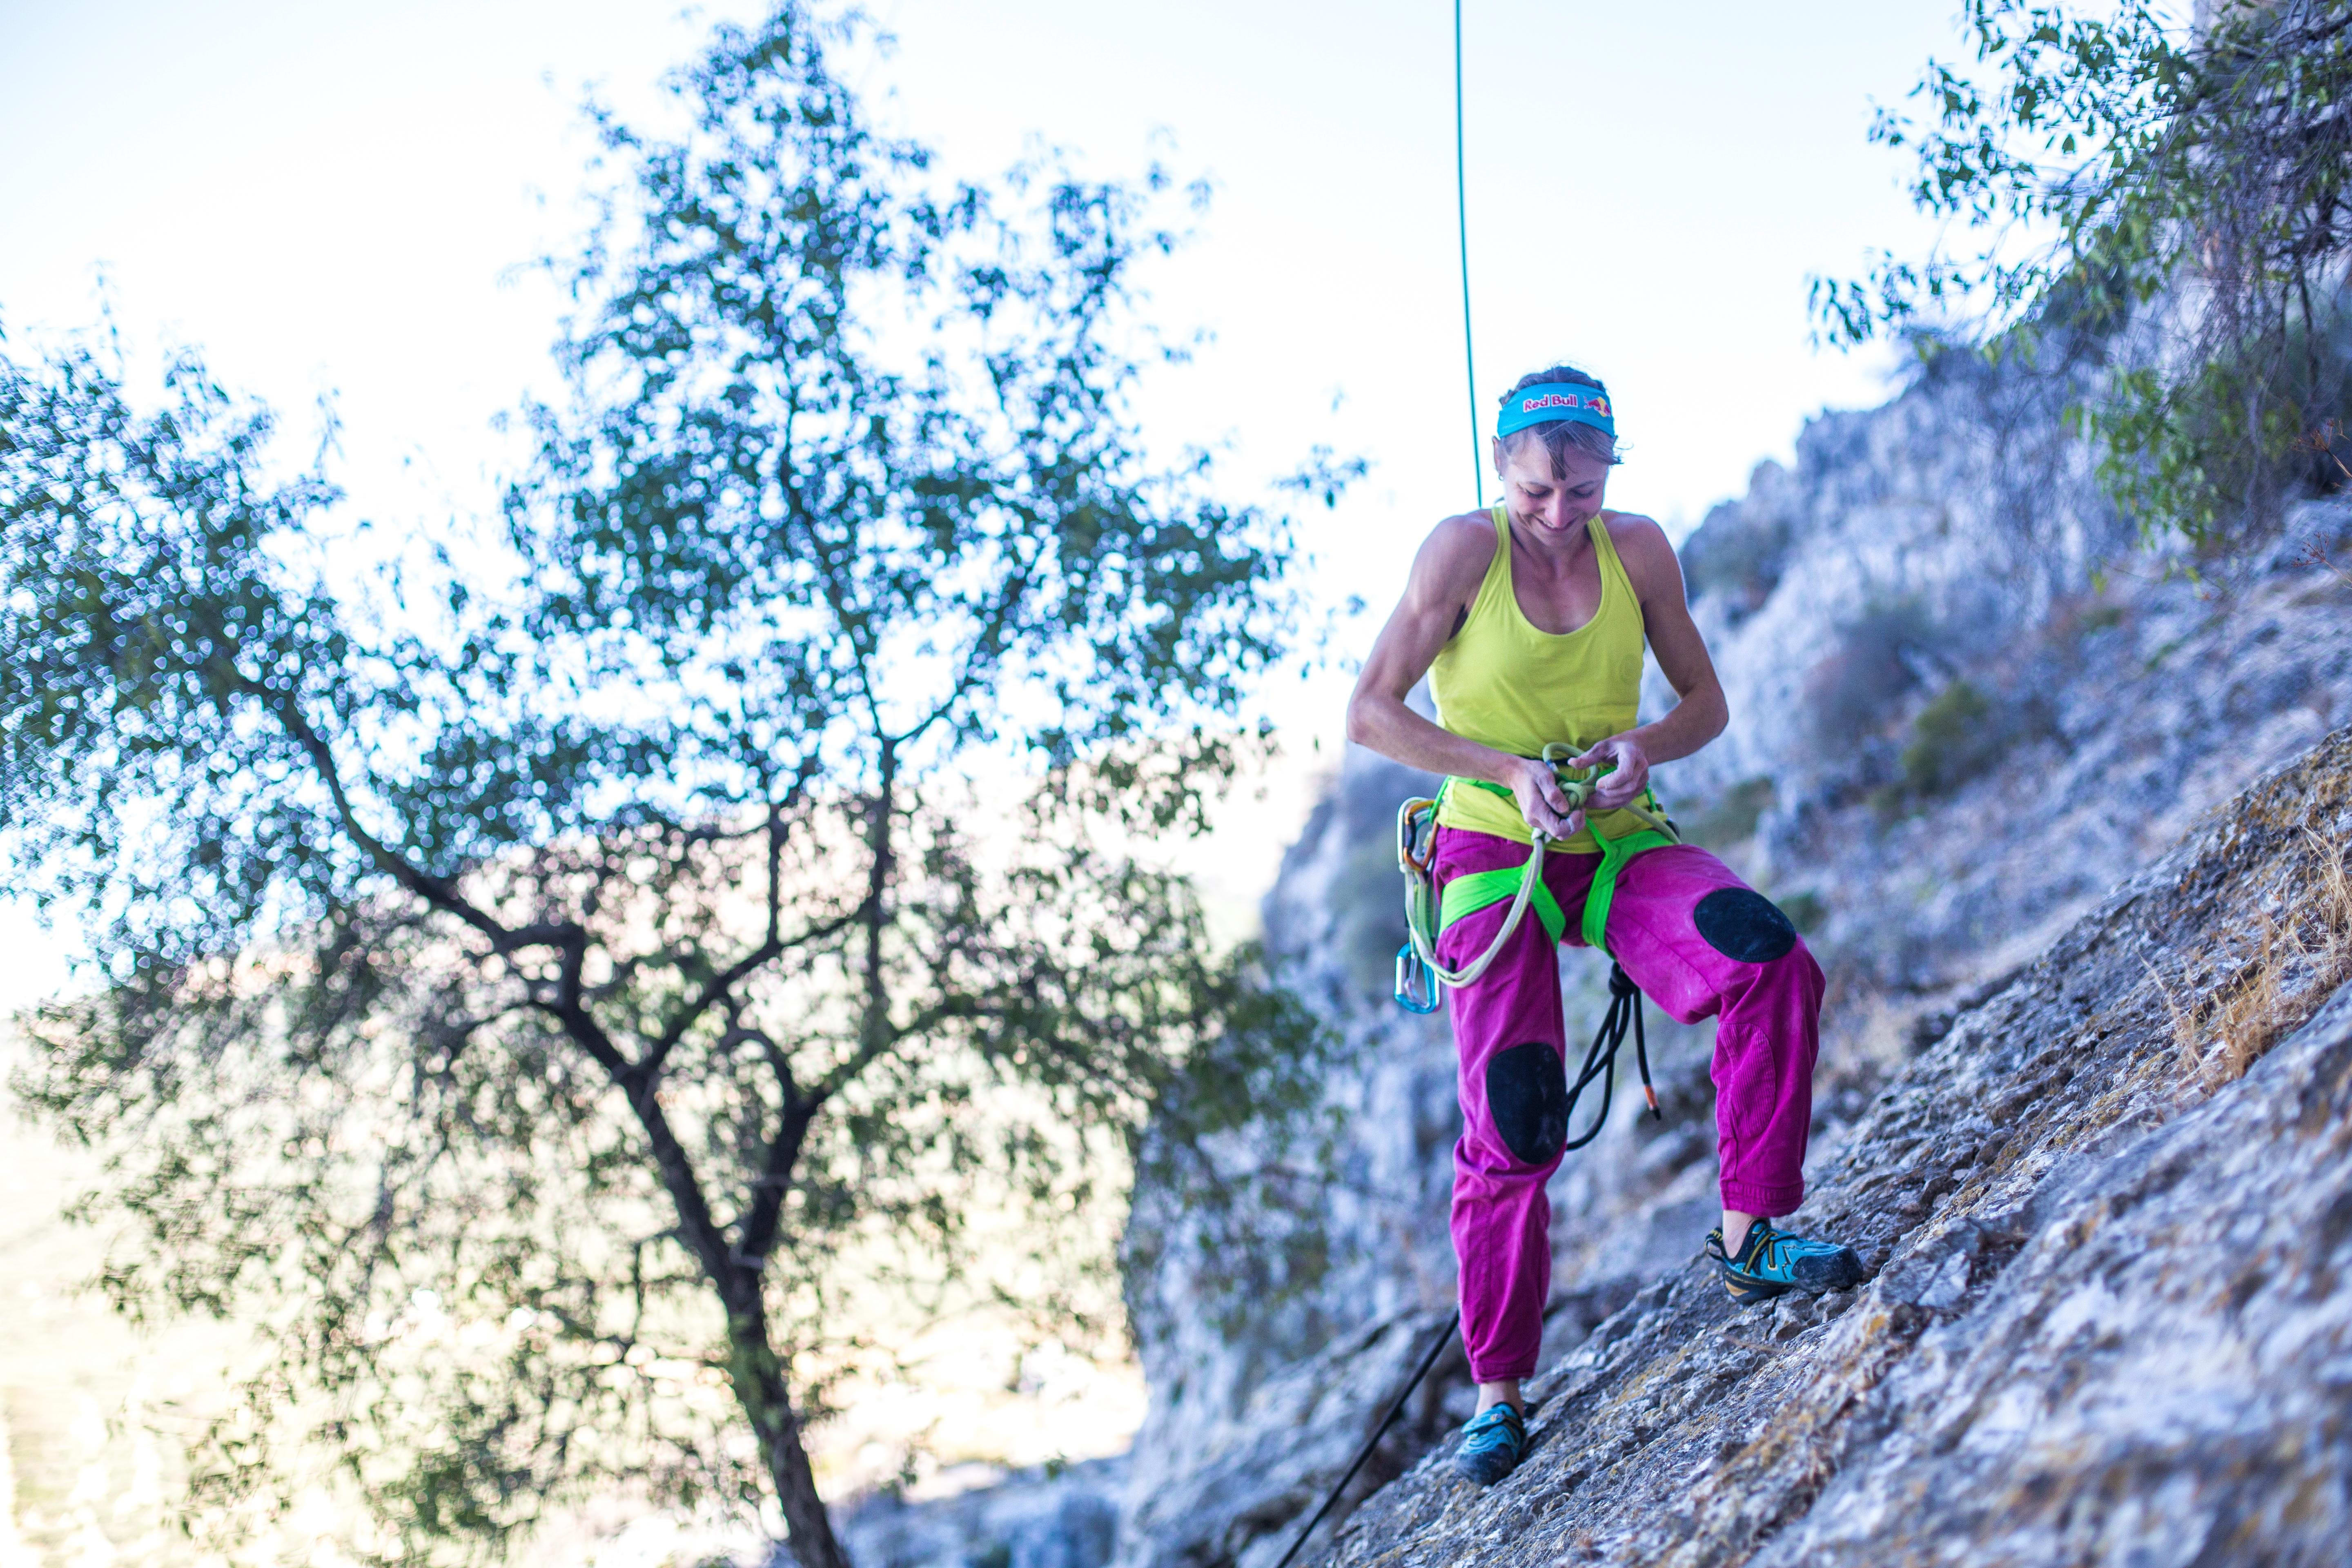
<point x="1596" y="403"/>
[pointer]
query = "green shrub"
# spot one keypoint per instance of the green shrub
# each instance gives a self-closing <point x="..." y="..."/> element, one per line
<point x="2101" y="616"/>
<point x="1956" y="735"/>
<point x="2192" y="184"/>
<point x="1718" y="823"/>
<point x="1853" y="690"/>
<point x="1806" y="911"/>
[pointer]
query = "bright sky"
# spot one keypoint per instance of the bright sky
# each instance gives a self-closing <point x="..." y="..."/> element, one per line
<point x="334" y="198"/>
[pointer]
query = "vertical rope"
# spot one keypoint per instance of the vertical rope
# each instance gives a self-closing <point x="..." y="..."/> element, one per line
<point x="1462" y="216"/>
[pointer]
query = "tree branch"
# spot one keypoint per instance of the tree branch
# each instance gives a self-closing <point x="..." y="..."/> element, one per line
<point x="979" y="659"/>
<point x="717" y="989"/>
<point x="697" y="1227"/>
<point x="439" y="891"/>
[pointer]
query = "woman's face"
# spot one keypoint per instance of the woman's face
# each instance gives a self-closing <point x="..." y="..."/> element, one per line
<point x="1550" y="507"/>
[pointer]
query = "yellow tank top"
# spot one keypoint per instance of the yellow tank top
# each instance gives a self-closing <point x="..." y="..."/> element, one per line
<point x="1502" y="683"/>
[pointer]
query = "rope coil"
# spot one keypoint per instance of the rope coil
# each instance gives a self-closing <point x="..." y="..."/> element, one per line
<point x="1419" y="972"/>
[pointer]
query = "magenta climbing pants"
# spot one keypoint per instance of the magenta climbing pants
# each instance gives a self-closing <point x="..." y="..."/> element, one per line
<point x="1697" y="941"/>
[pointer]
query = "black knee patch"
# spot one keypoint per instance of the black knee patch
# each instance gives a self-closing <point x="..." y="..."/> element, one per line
<point x="1744" y="925"/>
<point x="1526" y="1094"/>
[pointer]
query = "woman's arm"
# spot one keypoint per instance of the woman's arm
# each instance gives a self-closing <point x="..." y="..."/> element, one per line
<point x="1444" y="580"/>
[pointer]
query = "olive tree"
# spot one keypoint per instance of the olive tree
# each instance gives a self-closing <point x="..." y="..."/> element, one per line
<point x="2167" y="206"/>
<point x="540" y="983"/>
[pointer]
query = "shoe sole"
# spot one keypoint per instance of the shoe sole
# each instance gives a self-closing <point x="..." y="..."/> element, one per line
<point x="1748" y="1291"/>
<point x="1754" y="1295"/>
<point x="1479" y="1475"/>
<point x="1824" y="1275"/>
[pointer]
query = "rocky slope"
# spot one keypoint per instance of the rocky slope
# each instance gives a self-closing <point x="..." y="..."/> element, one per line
<point x="1965" y="708"/>
<point x="2107" y="1321"/>
<point x="1066" y="1519"/>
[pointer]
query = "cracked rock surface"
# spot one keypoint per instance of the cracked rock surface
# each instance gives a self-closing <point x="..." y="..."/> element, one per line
<point x="2108" y="1318"/>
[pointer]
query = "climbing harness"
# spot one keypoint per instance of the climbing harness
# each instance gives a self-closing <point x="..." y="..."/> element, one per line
<point x="1419" y="973"/>
<point x="1420" y="976"/>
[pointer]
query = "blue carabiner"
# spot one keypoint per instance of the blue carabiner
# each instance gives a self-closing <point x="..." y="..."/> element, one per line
<point x="1410" y="994"/>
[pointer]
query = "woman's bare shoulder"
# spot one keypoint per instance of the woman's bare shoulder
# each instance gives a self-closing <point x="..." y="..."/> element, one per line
<point x="1642" y="546"/>
<point x="1457" y="552"/>
<point x="1631" y="527"/>
<point x="1467" y="534"/>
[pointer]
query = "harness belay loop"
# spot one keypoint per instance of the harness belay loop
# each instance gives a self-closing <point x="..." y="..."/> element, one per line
<point x="1421" y="977"/>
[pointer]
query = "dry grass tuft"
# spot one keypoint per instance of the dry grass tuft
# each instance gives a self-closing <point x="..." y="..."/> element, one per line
<point x="2185" y="1035"/>
<point x="2298" y="961"/>
<point x="2254" y="1014"/>
<point x="2333" y="911"/>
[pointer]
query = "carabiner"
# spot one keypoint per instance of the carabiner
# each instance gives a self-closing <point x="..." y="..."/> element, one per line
<point x="1417" y="990"/>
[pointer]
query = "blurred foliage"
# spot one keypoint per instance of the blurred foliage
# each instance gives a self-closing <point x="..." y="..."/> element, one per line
<point x="1806" y="909"/>
<point x="1735" y="557"/>
<point x="2173" y="206"/>
<point x="1730" y="819"/>
<point x="1956" y="735"/>
<point x="2101" y="616"/>
<point x="1880" y="656"/>
<point x="1961" y="735"/>
<point x="1369" y="895"/>
<point x="570" y="990"/>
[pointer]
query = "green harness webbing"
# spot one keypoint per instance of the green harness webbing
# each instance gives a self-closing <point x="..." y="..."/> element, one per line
<point x="1420" y="977"/>
<point x="1419" y="972"/>
<point x="1466" y="895"/>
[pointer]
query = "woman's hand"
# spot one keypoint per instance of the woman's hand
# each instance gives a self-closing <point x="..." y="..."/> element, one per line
<point x="1542" y="800"/>
<point x="1624" y="785"/>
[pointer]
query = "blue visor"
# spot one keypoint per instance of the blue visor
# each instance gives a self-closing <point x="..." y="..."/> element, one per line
<point x="1550" y="404"/>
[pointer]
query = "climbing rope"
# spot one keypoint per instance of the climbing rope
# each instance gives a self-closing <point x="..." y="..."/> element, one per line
<point x="1419" y="972"/>
<point x="1462" y="218"/>
<point x="1445" y="1337"/>
<point x="1420" y="976"/>
<point x="1599" y="1061"/>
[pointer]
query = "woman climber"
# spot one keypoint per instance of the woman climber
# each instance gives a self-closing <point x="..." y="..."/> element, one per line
<point x="1529" y="624"/>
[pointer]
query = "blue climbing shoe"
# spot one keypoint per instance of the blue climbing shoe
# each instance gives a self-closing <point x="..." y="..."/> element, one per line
<point x="1492" y="1444"/>
<point x="1771" y="1260"/>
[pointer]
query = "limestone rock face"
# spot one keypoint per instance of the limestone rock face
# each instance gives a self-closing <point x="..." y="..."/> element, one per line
<point x="2108" y="1320"/>
<point x="1964" y="704"/>
<point x="1965" y="708"/>
<point x="1939" y="556"/>
<point x="1068" y="1519"/>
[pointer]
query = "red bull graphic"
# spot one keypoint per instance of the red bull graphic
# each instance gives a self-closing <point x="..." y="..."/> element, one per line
<point x="1542" y="404"/>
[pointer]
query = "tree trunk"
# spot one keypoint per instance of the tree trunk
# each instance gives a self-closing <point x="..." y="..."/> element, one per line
<point x="760" y="1389"/>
